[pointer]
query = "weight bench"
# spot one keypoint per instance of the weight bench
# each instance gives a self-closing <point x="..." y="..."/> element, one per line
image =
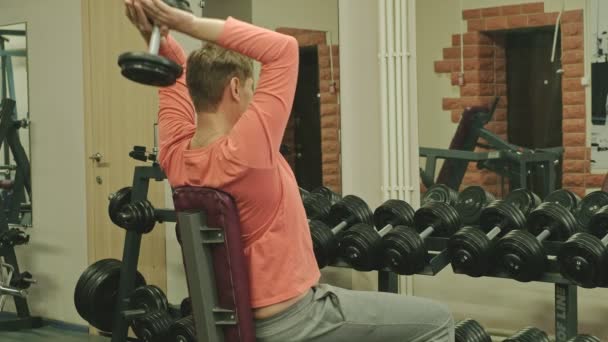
<point x="217" y="275"/>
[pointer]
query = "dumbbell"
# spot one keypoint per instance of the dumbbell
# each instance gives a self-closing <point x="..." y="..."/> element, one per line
<point x="470" y="203"/>
<point x="139" y="216"/>
<point x="469" y="330"/>
<point x="521" y="254"/>
<point x="344" y="214"/>
<point x="529" y="334"/>
<point x="440" y="193"/>
<point x="470" y="249"/>
<point x="565" y="197"/>
<point x="13" y="237"/>
<point x="359" y="246"/>
<point x="328" y="193"/>
<point x="524" y="199"/>
<point x="150" y="68"/>
<point x="153" y="327"/>
<point x="183" y="330"/>
<point x="584" y="338"/>
<point x="589" y="205"/>
<point x="317" y="206"/>
<point x="583" y="259"/>
<point x="404" y="250"/>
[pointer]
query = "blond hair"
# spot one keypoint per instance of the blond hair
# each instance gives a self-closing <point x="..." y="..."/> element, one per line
<point x="209" y="70"/>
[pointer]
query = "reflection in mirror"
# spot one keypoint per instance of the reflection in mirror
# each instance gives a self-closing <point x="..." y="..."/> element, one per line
<point x="534" y="136"/>
<point x="15" y="181"/>
<point x="311" y="143"/>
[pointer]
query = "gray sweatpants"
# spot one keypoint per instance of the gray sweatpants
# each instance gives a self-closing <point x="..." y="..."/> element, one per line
<point x="332" y="314"/>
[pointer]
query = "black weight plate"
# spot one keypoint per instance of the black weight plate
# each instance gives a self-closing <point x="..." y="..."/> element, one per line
<point x="441" y="216"/>
<point x="583" y="259"/>
<point x="324" y="243"/>
<point x="153" y="327"/>
<point x="139" y="217"/>
<point x="555" y="218"/>
<point x="150" y="298"/>
<point x="529" y="334"/>
<point x="394" y="212"/>
<point x="564" y="197"/>
<point x="81" y="298"/>
<point x="502" y="215"/>
<point x="589" y="205"/>
<point x="598" y="224"/>
<point x="350" y="209"/>
<point x="103" y="297"/>
<point x="185" y="308"/>
<point x="120" y="199"/>
<point x="359" y="245"/>
<point x="183" y="330"/>
<point x="440" y="193"/>
<point x="304" y="193"/>
<point x="521" y="255"/>
<point x="524" y="199"/>
<point x="149" y="69"/>
<point x="469" y="330"/>
<point x="584" y="338"/>
<point x="328" y="193"/>
<point x="470" y="251"/>
<point x="316" y="206"/>
<point x="470" y="203"/>
<point x="403" y="251"/>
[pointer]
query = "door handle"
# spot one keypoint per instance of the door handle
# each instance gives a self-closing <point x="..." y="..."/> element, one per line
<point x="96" y="157"/>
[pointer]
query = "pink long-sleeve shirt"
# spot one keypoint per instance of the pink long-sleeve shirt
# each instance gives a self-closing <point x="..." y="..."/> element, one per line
<point x="247" y="164"/>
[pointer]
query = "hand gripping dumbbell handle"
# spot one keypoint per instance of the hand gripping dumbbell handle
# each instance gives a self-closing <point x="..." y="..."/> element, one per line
<point x="154" y="41"/>
<point x="13" y="292"/>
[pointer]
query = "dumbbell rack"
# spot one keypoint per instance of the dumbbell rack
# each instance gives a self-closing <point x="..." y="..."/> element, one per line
<point x="566" y="299"/>
<point x="141" y="181"/>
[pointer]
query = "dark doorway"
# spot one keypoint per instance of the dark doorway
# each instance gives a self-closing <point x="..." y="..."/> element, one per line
<point x="307" y="121"/>
<point x="534" y="90"/>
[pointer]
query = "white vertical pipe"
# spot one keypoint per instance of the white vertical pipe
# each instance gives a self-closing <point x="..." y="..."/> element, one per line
<point x="399" y="77"/>
<point x="383" y="91"/>
<point x="407" y="183"/>
<point x="390" y="30"/>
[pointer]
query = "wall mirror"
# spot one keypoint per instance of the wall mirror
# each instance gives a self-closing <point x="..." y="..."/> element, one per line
<point x="15" y="180"/>
<point x="311" y="143"/>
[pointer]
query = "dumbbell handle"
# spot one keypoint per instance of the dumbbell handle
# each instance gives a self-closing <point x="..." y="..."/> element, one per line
<point x="605" y="240"/>
<point x="154" y="40"/>
<point x="543" y="235"/>
<point x="13" y="292"/>
<point x="385" y="230"/>
<point x="428" y="231"/>
<point x="335" y="230"/>
<point x="494" y="232"/>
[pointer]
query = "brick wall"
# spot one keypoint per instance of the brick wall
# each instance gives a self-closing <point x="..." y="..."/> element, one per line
<point x="485" y="77"/>
<point x="330" y="108"/>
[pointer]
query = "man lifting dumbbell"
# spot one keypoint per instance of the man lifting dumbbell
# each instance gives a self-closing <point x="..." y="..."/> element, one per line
<point x="215" y="131"/>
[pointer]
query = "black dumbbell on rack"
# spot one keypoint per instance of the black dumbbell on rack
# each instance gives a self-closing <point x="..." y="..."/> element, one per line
<point x="404" y="250"/>
<point x="469" y="330"/>
<point x="521" y="254"/>
<point x="328" y="193"/>
<point x="524" y="199"/>
<point x="583" y="259"/>
<point x="440" y="193"/>
<point x="360" y="245"/>
<point x="471" y="249"/>
<point x="589" y="205"/>
<point x="183" y="330"/>
<point x="471" y="202"/>
<point x="566" y="198"/>
<point x="529" y="334"/>
<point x="349" y="211"/>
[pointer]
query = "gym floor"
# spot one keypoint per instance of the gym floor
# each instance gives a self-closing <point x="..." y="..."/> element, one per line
<point x="50" y="334"/>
